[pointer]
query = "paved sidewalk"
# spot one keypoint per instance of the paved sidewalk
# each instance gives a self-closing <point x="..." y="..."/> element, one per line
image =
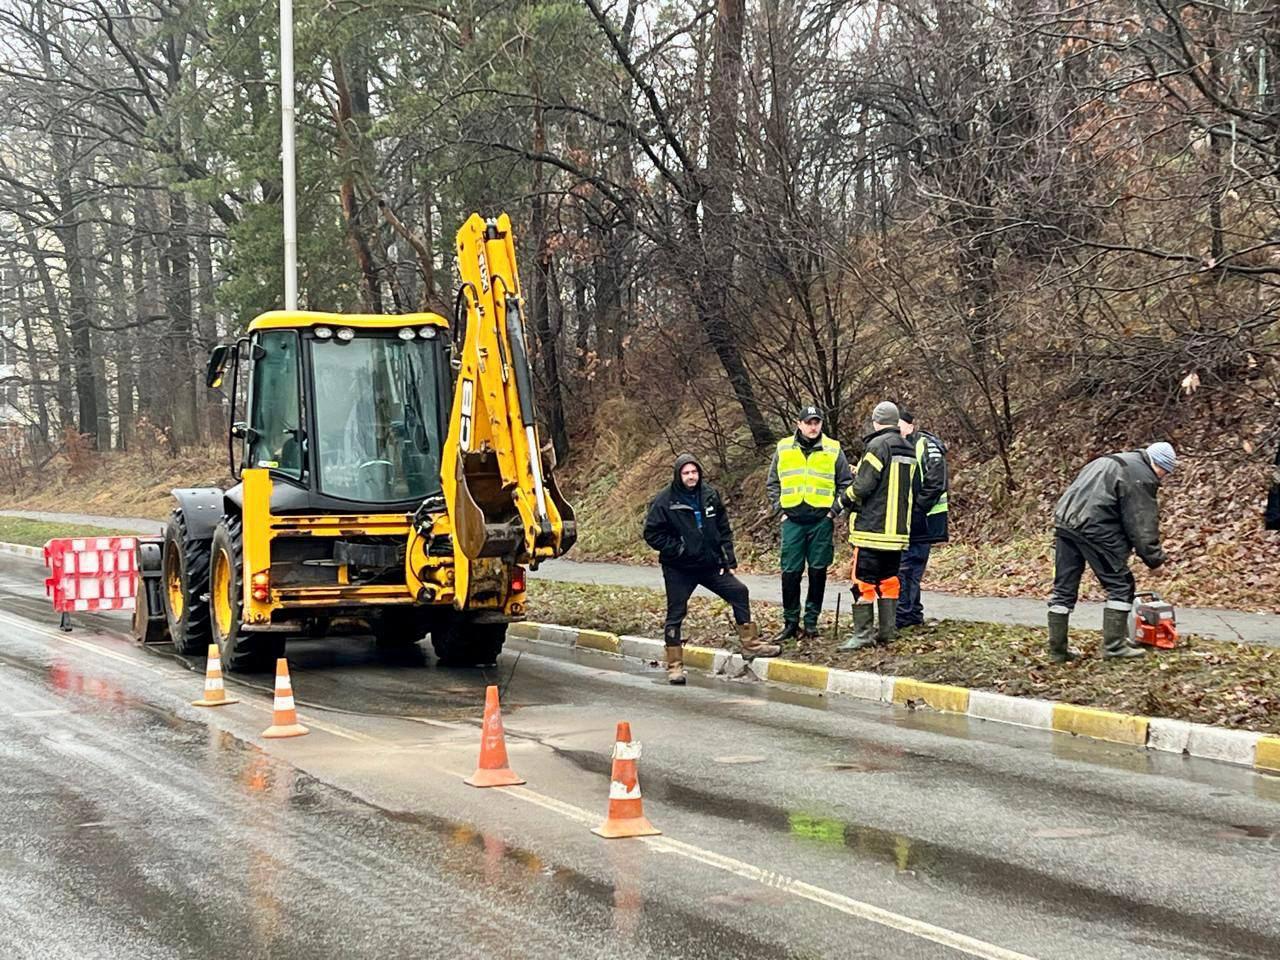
<point x="1257" y="628"/>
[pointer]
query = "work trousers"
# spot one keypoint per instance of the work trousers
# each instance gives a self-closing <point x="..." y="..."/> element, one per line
<point x="914" y="561"/>
<point x="812" y="544"/>
<point x="875" y="574"/>
<point x="1070" y="556"/>
<point x="681" y="582"/>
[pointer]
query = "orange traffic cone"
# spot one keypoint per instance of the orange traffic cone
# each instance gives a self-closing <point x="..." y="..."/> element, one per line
<point x="493" y="769"/>
<point x="214" y="694"/>
<point x="626" y="809"/>
<point x="284" y="716"/>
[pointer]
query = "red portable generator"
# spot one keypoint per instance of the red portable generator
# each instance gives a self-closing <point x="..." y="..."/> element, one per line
<point x="1152" y="622"/>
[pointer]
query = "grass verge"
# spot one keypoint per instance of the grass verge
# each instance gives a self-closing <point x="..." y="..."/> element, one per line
<point x="1203" y="681"/>
<point x="36" y="533"/>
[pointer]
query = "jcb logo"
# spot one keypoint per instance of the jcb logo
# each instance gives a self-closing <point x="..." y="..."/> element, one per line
<point x="468" y="405"/>
<point x="484" y="272"/>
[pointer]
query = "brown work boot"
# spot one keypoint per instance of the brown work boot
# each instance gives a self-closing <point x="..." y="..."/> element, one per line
<point x="752" y="645"/>
<point x="675" y="666"/>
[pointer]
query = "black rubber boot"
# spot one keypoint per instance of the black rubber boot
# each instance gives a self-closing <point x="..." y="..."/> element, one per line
<point x="1115" y="636"/>
<point x="1059" y="652"/>
<point x="790" y="604"/>
<point x="864" y="628"/>
<point x="813" y="600"/>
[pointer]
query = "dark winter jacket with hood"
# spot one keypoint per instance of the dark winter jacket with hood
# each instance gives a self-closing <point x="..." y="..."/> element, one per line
<point x="689" y="528"/>
<point x="1112" y="506"/>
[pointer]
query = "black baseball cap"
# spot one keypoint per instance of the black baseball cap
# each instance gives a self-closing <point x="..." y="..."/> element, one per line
<point x="809" y="413"/>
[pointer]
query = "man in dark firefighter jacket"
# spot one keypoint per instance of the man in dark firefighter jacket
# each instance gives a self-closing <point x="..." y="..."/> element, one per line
<point x="808" y="468"/>
<point x="1108" y="512"/>
<point x="880" y="526"/>
<point x="929" y="513"/>
<point x="688" y="525"/>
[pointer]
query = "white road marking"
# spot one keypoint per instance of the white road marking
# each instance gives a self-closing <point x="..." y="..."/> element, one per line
<point x="33" y="627"/>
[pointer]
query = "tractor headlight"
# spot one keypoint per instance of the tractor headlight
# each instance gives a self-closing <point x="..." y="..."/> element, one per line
<point x="427" y="333"/>
<point x="346" y="334"/>
<point x="406" y="333"/>
<point x="323" y="333"/>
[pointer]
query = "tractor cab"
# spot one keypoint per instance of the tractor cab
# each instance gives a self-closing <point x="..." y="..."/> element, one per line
<point x="345" y="412"/>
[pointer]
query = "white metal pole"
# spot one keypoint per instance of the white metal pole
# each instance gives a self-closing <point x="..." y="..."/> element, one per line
<point x="287" y="156"/>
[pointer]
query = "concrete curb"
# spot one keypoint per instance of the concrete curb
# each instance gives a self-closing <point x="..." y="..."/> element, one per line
<point x="22" y="550"/>
<point x="1151" y="733"/>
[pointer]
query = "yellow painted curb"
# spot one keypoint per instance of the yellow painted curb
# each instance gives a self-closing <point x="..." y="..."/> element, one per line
<point x="1100" y="724"/>
<point x="940" y="696"/>
<point x="1267" y="756"/>
<point x="524" y="630"/>
<point x="700" y="658"/>
<point x="599" y="640"/>
<point x="799" y="674"/>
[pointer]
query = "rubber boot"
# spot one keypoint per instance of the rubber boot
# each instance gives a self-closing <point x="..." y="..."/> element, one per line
<point x="864" y="628"/>
<point x="813" y="602"/>
<point x="887" y="614"/>
<point x="1115" y="636"/>
<point x="752" y="645"/>
<point x="790" y="605"/>
<point x="675" y="666"/>
<point x="1059" y="652"/>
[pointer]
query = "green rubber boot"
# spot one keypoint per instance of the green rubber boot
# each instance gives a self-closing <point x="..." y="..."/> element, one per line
<point x="864" y="628"/>
<point x="1115" y="636"/>
<point x="1059" y="652"/>
<point x="887" y="612"/>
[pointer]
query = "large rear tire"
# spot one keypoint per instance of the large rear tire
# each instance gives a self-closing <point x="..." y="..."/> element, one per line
<point x="461" y="642"/>
<point x="399" y="628"/>
<point x="185" y="587"/>
<point x="239" y="651"/>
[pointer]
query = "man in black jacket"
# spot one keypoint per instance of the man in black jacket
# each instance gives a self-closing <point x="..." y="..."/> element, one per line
<point x="929" y="512"/>
<point x="688" y="525"/>
<point x="1108" y="512"/>
<point x="879" y="503"/>
<point x="1273" y="499"/>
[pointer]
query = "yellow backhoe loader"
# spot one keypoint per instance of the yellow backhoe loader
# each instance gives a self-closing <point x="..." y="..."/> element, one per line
<point x="391" y="476"/>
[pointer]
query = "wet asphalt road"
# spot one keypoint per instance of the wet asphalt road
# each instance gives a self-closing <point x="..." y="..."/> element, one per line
<point x="135" y="825"/>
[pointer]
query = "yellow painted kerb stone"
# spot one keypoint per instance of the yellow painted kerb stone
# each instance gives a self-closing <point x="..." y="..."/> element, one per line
<point x="940" y="696"/>
<point x="524" y="630"/>
<point x="1100" y="724"/>
<point x="1267" y="756"/>
<point x="798" y="674"/>
<point x="599" y="640"/>
<point x="699" y="658"/>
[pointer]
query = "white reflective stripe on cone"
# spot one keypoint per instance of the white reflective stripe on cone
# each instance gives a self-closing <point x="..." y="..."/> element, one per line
<point x="619" y="791"/>
<point x="213" y="683"/>
<point x="282" y="683"/>
<point x="284" y="703"/>
<point x="626" y="751"/>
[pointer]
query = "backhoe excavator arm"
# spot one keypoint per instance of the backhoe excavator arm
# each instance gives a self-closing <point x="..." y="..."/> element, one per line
<point x="498" y="485"/>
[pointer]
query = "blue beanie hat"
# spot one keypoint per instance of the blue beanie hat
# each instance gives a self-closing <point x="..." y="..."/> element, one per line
<point x="1161" y="455"/>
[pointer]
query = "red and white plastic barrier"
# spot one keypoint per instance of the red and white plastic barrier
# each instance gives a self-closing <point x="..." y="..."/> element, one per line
<point x="91" y="573"/>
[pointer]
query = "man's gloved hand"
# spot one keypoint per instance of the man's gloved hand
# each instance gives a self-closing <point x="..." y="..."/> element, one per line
<point x="834" y="512"/>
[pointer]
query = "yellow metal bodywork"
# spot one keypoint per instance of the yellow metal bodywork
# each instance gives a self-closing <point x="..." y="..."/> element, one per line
<point x="302" y="319"/>
<point x="492" y="467"/>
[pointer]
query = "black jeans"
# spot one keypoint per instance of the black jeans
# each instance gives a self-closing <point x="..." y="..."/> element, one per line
<point x="681" y="582"/>
<point x="1070" y="556"/>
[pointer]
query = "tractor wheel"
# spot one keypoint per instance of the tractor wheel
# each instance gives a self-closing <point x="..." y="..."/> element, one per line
<point x="185" y="587"/>
<point x="461" y="642"/>
<point x="239" y="651"/>
<point x="399" y="628"/>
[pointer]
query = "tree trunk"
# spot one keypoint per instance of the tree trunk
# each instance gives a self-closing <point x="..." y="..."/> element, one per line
<point x="543" y="265"/>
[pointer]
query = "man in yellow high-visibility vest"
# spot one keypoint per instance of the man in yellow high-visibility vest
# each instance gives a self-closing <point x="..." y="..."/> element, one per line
<point x="808" y="469"/>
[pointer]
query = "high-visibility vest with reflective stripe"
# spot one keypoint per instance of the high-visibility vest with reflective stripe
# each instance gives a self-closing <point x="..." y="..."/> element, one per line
<point x="807" y="479"/>
<point x="892" y="503"/>
<point x="922" y="445"/>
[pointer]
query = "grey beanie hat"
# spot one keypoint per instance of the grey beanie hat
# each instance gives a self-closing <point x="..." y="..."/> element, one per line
<point x="1162" y="455"/>
<point x="886" y="412"/>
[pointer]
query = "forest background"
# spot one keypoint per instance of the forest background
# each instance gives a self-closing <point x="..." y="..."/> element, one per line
<point x="1052" y="228"/>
